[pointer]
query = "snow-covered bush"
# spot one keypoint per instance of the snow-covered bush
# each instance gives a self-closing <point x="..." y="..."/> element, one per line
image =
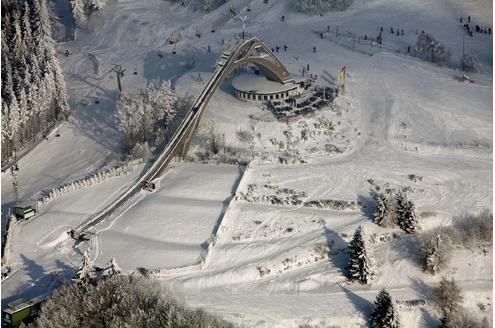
<point x="476" y="228"/>
<point x="448" y="299"/>
<point x="360" y="264"/>
<point x="433" y="251"/>
<point x="339" y="205"/>
<point x="120" y="301"/>
<point x="385" y="313"/>
<point x="144" y="114"/>
<point x="271" y="194"/>
<point x="431" y="49"/>
<point x="95" y="178"/>
<point x="245" y="136"/>
<point x="142" y="150"/>
<point x="321" y="6"/>
<point x="210" y="5"/>
<point x="470" y="63"/>
<point x="8" y="238"/>
<point x="464" y="319"/>
<point x="208" y="143"/>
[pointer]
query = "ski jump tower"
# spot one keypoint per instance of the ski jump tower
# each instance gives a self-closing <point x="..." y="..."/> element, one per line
<point x="236" y="52"/>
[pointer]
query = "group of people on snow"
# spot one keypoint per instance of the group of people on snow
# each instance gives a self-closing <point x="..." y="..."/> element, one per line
<point x="477" y="28"/>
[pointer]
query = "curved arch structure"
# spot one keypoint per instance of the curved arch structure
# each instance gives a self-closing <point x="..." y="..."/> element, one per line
<point x="236" y="52"/>
<point x="254" y="51"/>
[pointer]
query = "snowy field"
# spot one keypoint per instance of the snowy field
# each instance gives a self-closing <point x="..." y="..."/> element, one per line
<point x="171" y="227"/>
<point x="399" y="116"/>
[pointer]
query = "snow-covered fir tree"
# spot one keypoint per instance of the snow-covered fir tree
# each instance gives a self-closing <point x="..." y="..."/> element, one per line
<point x="384" y="314"/>
<point x="85" y="271"/>
<point x="82" y="8"/>
<point x="360" y="264"/>
<point x="381" y="210"/>
<point x="27" y="33"/>
<point x="96" y="4"/>
<point x="112" y="268"/>
<point x="43" y="43"/>
<point x="385" y="213"/>
<point x="78" y="12"/>
<point x="406" y="214"/>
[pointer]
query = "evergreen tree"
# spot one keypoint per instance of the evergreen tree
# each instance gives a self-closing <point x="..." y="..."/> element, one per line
<point x="78" y="12"/>
<point x="17" y="39"/>
<point x="34" y="69"/>
<point x="42" y="30"/>
<point x="6" y="146"/>
<point x="85" y="271"/>
<point x="27" y="33"/>
<point x="14" y="124"/>
<point x="385" y="214"/>
<point x="384" y="315"/>
<point x="360" y="264"/>
<point x="406" y="215"/>
<point x="33" y="87"/>
<point x="23" y="113"/>
<point x="7" y="83"/>
<point x="380" y="207"/>
<point x="112" y="268"/>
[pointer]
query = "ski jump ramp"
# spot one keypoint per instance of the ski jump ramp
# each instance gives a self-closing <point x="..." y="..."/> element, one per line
<point x="236" y="52"/>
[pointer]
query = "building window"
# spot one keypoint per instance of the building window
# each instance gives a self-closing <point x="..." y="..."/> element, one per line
<point x="265" y="97"/>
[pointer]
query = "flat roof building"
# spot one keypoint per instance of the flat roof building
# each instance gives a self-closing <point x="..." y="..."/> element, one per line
<point x="257" y="88"/>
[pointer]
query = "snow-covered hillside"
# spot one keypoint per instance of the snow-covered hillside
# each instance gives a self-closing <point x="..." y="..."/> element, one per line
<point x="402" y="122"/>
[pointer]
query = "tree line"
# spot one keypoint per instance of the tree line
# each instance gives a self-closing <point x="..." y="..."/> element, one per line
<point x="33" y="87"/>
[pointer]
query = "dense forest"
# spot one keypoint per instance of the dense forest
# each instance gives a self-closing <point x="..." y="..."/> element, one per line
<point x="33" y="88"/>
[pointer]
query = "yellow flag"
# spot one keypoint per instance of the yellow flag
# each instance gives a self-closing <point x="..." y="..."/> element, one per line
<point x="341" y="78"/>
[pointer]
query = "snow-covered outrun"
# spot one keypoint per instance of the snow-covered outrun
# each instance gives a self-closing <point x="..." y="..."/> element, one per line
<point x="400" y="161"/>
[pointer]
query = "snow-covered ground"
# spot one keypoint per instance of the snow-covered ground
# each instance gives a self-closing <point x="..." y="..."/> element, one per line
<point x="182" y="216"/>
<point x="265" y="267"/>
